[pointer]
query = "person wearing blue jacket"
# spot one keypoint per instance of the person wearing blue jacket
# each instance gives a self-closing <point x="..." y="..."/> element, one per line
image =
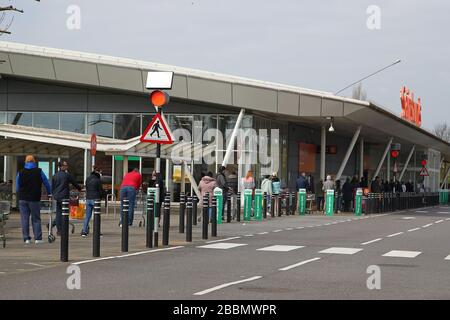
<point x="29" y="183"/>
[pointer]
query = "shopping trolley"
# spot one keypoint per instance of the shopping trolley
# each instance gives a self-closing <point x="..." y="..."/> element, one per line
<point x="5" y="209"/>
<point x="48" y="206"/>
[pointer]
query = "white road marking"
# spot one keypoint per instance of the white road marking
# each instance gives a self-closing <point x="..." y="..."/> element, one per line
<point x="371" y="241"/>
<point x="349" y="220"/>
<point x="327" y="224"/>
<point x="395" y="234"/>
<point x="226" y="285"/>
<point x="148" y="251"/>
<point x="447" y="257"/>
<point x="447" y="219"/>
<point x="439" y="221"/>
<point x="337" y="250"/>
<point x="408" y="218"/>
<point x="222" y="245"/>
<point x="415" y="229"/>
<point x="2" y="272"/>
<point x="427" y="225"/>
<point x="310" y="226"/>
<point x="402" y="254"/>
<point x="277" y="230"/>
<point x="35" y="264"/>
<point x="248" y="235"/>
<point x="288" y="229"/>
<point x="422" y="211"/>
<point x="93" y="260"/>
<point x="443" y="212"/>
<point x="280" y="248"/>
<point x="226" y="239"/>
<point x="298" y="264"/>
<point x="263" y="232"/>
<point x="298" y="228"/>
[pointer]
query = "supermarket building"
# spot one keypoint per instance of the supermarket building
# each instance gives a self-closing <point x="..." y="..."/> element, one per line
<point x="52" y="100"/>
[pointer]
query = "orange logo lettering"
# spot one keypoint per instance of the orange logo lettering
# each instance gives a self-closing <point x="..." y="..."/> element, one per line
<point x="411" y="111"/>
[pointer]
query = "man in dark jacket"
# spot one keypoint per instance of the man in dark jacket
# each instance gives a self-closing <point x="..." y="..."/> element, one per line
<point x="94" y="191"/>
<point x="376" y="187"/>
<point x="29" y="183"/>
<point x="61" y="191"/>
<point x="302" y="182"/>
<point x="222" y="183"/>
<point x="347" y="192"/>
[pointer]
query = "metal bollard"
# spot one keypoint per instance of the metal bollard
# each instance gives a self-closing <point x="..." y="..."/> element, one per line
<point x="97" y="223"/>
<point x="238" y="207"/>
<point x="166" y="222"/>
<point x="279" y="205"/>
<point x="189" y="219"/>
<point x="150" y="221"/>
<point x="228" y="207"/>
<point x="182" y="212"/>
<point x="194" y="210"/>
<point x="126" y="208"/>
<point x="205" y="217"/>
<point x="214" y="217"/>
<point x="65" y="231"/>
<point x="272" y="206"/>
<point x="264" y="205"/>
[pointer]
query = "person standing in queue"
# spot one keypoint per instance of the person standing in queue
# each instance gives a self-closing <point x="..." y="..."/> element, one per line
<point x="131" y="182"/>
<point x="29" y="183"/>
<point x="61" y="190"/>
<point x="223" y="184"/>
<point x="94" y="191"/>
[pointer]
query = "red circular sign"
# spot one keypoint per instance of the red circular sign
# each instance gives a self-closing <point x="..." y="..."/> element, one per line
<point x="93" y="144"/>
<point x="424" y="163"/>
<point x="394" y="154"/>
<point x="159" y="98"/>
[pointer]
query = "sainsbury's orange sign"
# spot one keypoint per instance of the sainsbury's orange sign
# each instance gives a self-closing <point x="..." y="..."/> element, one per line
<point x="411" y="111"/>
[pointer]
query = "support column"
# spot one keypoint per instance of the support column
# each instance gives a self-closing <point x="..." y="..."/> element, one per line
<point x="386" y="150"/>
<point x="361" y="158"/>
<point x="182" y="182"/>
<point x="323" y="145"/>
<point x="125" y="165"/>
<point x="13" y="173"/>
<point x="230" y="145"/>
<point x="407" y="163"/>
<point x="85" y="164"/>
<point x="349" y="152"/>
<point x="388" y="168"/>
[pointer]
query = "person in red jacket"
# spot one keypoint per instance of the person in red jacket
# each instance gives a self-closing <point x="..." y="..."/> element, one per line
<point x="132" y="181"/>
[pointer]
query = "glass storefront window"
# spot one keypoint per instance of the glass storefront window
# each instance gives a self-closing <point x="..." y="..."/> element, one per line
<point x="2" y="117"/>
<point x="20" y="118"/>
<point x="48" y="120"/>
<point x="127" y="126"/>
<point x="73" y="122"/>
<point x="100" y="124"/>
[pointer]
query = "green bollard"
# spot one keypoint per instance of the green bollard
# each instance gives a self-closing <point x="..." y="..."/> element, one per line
<point x="247" y="204"/>
<point x="301" y="202"/>
<point x="258" y="204"/>
<point x="329" y="204"/>
<point x="219" y="198"/>
<point x="358" y="202"/>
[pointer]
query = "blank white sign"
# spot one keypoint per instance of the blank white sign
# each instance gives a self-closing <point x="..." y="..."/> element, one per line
<point x="159" y="80"/>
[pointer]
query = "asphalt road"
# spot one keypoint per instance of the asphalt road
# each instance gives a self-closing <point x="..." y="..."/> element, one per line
<point x="315" y="257"/>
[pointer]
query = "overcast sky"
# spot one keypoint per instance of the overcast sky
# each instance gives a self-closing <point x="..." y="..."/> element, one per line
<point x="323" y="45"/>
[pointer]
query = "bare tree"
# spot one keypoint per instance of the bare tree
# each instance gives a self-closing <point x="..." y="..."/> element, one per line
<point x="442" y="130"/>
<point x="3" y="12"/>
<point x="359" y="93"/>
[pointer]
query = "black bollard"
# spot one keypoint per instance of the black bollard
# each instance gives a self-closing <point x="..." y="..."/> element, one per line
<point x="126" y="208"/>
<point x="214" y="217"/>
<point x="182" y="212"/>
<point x="97" y="223"/>
<point x="65" y="231"/>
<point x="279" y="204"/>
<point x="205" y="217"/>
<point x="264" y="205"/>
<point x="194" y="210"/>
<point x="238" y="207"/>
<point x="189" y="219"/>
<point x="228" y="207"/>
<point x="150" y="221"/>
<point x="166" y="222"/>
<point x="272" y="206"/>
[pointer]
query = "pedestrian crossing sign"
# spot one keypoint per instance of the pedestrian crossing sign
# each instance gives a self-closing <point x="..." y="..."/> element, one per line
<point x="157" y="131"/>
<point x="424" y="172"/>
